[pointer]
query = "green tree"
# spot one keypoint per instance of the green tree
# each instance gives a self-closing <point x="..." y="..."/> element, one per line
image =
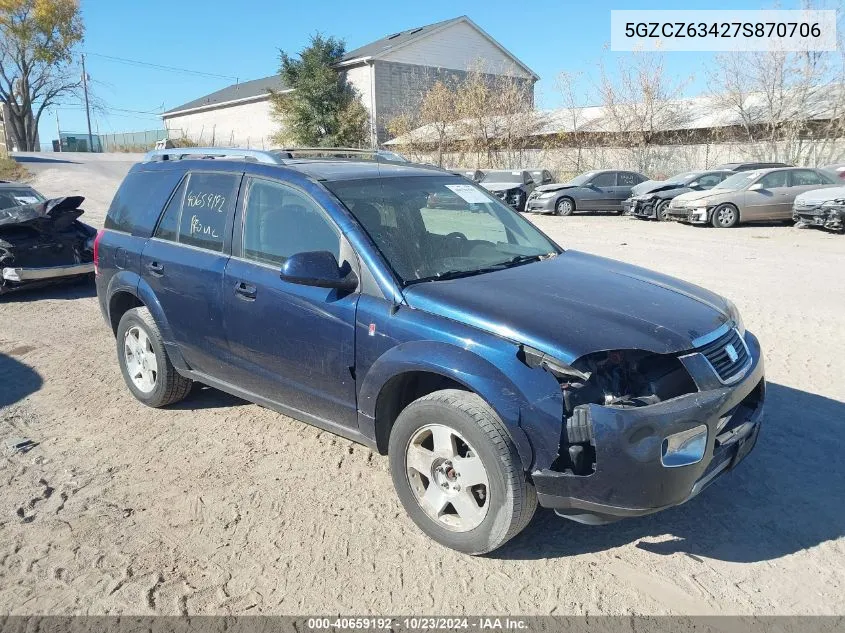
<point x="323" y="110"/>
<point x="38" y="39"/>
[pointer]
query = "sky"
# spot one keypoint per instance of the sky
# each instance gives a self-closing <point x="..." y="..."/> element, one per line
<point x="241" y="41"/>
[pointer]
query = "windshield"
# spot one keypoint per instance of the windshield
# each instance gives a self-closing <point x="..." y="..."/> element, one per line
<point x="440" y="227"/>
<point x="738" y="181"/>
<point x="582" y="178"/>
<point x="17" y="196"/>
<point x="503" y="176"/>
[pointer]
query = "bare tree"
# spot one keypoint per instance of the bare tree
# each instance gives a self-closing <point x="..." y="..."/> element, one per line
<point x="37" y="43"/>
<point x="437" y="110"/>
<point x="642" y="106"/>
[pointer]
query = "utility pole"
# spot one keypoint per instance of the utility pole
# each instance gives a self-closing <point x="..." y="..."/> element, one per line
<point x="58" y="130"/>
<point x="87" y="108"/>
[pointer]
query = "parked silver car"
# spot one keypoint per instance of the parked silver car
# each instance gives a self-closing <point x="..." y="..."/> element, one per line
<point x="748" y="196"/>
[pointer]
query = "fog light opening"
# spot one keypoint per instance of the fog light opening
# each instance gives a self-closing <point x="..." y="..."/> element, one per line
<point x="684" y="448"/>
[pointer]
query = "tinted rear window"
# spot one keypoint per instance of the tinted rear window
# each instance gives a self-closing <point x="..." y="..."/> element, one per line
<point x="140" y="199"/>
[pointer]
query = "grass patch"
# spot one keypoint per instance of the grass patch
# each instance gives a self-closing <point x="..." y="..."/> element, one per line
<point x="12" y="170"/>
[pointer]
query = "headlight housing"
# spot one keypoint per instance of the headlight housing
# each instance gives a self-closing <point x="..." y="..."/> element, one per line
<point x="736" y="317"/>
<point x="546" y="194"/>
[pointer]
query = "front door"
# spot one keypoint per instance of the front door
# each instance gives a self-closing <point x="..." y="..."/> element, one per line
<point x="800" y="181"/>
<point x="770" y="200"/>
<point x="601" y="192"/>
<point x="184" y="261"/>
<point x="291" y="344"/>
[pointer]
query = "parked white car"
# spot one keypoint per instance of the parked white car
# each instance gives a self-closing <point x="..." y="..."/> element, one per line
<point x="823" y="208"/>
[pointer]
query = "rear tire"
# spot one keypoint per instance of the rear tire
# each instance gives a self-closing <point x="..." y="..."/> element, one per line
<point x="143" y="360"/>
<point x="725" y="216"/>
<point x="449" y="439"/>
<point x="565" y="206"/>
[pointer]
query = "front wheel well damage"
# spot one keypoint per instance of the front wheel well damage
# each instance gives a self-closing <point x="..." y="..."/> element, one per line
<point x="400" y="391"/>
<point x="119" y="304"/>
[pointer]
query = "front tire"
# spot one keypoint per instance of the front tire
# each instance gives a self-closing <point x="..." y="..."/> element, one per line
<point x="564" y="206"/>
<point x="147" y="370"/>
<point x="660" y="210"/>
<point x="725" y="216"/>
<point x="457" y="472"/>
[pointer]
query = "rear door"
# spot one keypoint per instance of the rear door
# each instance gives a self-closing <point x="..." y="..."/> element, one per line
<point x="289" y="343"/>
<point x="770" y="200"/>
<point x="625" y="180"/>
<point x="184" y="261"/>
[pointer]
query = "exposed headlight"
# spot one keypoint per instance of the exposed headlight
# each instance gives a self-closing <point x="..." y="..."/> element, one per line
<point x="645" y="198"/>
<point x="830" y="203"/>
<point x="736" y="317"/>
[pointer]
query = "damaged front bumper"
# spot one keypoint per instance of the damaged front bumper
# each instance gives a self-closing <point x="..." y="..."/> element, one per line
<point x="700" y="215"/>
<point x="23" y="275"/>
<point x="641" y="209"/>
<point x="830" y="217"/>
<point x="630" y="478"/>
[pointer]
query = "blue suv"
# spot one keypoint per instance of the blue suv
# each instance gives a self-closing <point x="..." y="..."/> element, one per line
<point x="494" y="368"/>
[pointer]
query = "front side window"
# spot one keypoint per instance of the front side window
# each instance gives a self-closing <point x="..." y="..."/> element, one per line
<point x="773" y="180"/>
<point x="424" y="238"/>
<point x="607" y="179"/>
<point x="199" y="209"/>
<point x="281" y="221"/>
<point x="709" y="181"/>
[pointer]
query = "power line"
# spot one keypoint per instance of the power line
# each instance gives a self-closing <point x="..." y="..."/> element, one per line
<point x="137" y="62"/>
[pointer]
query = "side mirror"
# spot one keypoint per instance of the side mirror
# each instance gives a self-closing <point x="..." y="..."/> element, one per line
<point x="530" y="181"/>
<point x="318" y="268"/>
<point x="756" y="187"/>
<point x="694" y="185"/>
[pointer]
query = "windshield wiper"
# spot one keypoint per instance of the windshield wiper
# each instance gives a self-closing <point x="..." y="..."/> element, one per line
<point x="457" y="274"/>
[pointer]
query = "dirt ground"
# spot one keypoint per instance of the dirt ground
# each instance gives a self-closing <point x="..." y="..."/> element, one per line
<point x="216" y="506"/>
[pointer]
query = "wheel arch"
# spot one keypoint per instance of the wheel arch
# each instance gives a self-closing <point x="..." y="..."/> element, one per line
<point x="412" y="370"/>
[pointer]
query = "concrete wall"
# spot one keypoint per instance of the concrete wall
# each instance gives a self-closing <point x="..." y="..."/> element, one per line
<point x="242" y="125"/>
<point x="399" y="86"/>
<point x="663" y="161"/>
<point x="457" y="47"/>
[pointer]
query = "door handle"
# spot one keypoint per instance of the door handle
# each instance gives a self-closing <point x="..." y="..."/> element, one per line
<point x="246" y="290"/>
<point x="155" y="268"/>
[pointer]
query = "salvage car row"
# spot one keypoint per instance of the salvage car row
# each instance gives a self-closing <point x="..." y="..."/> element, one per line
<point x="723" y="197"/>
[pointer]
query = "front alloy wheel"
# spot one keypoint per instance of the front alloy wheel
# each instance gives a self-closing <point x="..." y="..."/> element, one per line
<point x="458" y="473"/>
<point x="564" y="206"/>
<point x="447" y="477"/>
<point x="725" y="216"/>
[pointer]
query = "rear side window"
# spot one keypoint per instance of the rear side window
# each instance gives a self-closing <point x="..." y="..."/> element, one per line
<point x="804" y="177"/>
<point x="199" y="209"/>
<point x="628" y="179"/>
<point x="139" y="200"/>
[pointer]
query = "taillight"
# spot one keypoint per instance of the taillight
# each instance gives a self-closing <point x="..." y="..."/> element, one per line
<point x="97" y="252"/>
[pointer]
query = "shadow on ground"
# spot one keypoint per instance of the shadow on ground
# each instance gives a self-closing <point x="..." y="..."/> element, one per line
<point x="82" y="289"/>
<point x="42" y="159"/>
<point x="203" y="397"/>
<point x="785" y="497"/>
<point x="17" y="380"/>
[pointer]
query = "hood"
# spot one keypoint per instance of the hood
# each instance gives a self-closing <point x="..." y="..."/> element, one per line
<point x="646" y="186"/>
<point x="500" y="186"/>
<point x="557" y="186"/>
<point x="658" y="187"/>
<point x="819" y="196"/>
<point x="575" y="304"/>
<point x="58" y="213"/>
<point x="692" y="196"/>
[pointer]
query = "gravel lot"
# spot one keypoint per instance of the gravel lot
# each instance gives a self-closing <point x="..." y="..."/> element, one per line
<point x="219" y="506"/>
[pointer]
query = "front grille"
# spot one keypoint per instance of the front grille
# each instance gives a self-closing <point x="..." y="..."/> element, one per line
<point x="718" y="355"/>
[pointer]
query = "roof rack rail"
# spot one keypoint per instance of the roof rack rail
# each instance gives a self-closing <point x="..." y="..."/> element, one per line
<point x="384" y="154"/>
<point x="180" y="153"/>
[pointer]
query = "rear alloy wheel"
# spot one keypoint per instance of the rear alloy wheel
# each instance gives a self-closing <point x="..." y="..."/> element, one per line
<point x="661" y="210"/>
<point x="564" y="206"/>
<point x="147" y="370"/>
<point x="457" y="472"/>
<point x="725" y="216"/>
